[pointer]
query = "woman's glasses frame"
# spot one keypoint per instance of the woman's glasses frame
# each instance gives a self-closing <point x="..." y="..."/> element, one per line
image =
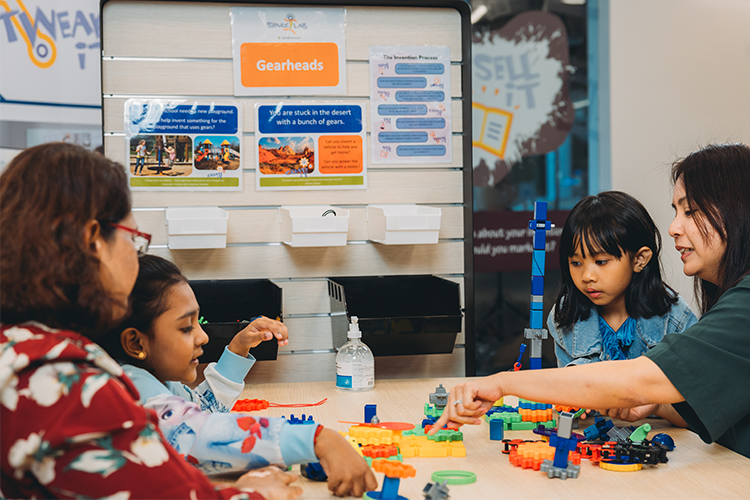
<point x="141" y="241"/>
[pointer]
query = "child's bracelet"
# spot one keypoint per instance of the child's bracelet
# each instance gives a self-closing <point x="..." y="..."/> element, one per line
<point x="317" y="432"/>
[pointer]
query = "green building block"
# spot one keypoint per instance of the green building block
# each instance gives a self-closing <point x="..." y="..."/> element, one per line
<point x="431" y="411"/>
<point x="508" y="419"/>
<point x="441" y="435"/>
<point x="640" y="433"/>
<point x="550" y="424"/>
<point x="524" y="426"/>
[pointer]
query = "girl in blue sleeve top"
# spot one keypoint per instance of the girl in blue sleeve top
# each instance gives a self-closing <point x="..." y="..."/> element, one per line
<point x="612" y="303"/>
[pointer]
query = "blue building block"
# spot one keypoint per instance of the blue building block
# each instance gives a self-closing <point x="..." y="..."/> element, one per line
<point x="539" y="239"/>
<point x="313" y="471"/>
<point x="496" y="429"/>
<point x="540" y="210"/>
<point x="428" y="421"/>
<point x="389" y="491"/>
<point x="300" y="421"/>
<point x="563" y="442"/>
<point x="664" y="439"/>
<point x="537" y="263"/>
<point x="502" y="409"/>
<point x="537" y="285"/>
<point x="533" y="405"/>
<point x="536" y="332"/>
<point x="537" y="319"/>
<point x="599" y="430"/>
<point x="370" y="411"/>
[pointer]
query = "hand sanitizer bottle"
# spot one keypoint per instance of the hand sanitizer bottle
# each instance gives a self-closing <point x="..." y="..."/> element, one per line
<point x="355" y="365"/>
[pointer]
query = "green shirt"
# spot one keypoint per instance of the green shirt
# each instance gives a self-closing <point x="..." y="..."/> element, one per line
<point x="709" y="363"/>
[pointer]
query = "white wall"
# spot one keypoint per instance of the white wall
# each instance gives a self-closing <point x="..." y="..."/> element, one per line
<point x="680" y="79"/>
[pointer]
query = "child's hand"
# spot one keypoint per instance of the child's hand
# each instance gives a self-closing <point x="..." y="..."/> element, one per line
<point x="271" y="482"/>
<point x="468" y="402"/>
<point x="256" y="332"/>
<point x="348" y="473"/>
<point x="585" y="414"/>
<point x="631" y="414"/>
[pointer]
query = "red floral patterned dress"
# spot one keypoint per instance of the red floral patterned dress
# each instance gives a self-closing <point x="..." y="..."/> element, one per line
<point x="72" y="427"/>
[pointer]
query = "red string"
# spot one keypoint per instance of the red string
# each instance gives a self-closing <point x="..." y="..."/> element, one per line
<point x="300" y="405"/>
<point x="262" y="404"/>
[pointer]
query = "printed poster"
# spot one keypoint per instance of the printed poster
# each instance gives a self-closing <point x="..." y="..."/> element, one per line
<point x="303" y="146"/>
<point x="183" y="145"/>
<point x="410" y="101"/>
<point x="288" y="51"/>
<point x="521" y="105"/>
<point x="50" y="61"/>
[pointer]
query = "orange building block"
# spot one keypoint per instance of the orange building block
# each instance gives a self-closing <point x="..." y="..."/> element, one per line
<point x="393" y="468"/>
<point x="531" y="455"/>
<point x="379" y="451"/>
<point x="535" y="415"/>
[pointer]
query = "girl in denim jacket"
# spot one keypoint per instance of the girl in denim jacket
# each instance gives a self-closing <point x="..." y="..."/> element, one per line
<point x="612" y="303"/>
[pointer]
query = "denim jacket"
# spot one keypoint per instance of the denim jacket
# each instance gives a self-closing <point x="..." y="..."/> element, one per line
<point x="582" y="343"/>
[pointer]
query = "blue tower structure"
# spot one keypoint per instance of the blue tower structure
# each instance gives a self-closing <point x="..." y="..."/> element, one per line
<point x="536" y="331"/>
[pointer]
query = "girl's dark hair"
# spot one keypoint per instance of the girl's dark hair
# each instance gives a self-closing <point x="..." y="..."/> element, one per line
<point x="717" y="186"/>
<point x="156" y="276"/>
<point x="617" y="224"/>
<point x="48" y="194"/>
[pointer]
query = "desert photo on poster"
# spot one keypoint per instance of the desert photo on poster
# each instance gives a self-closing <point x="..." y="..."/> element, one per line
<point x="286" y="155"/>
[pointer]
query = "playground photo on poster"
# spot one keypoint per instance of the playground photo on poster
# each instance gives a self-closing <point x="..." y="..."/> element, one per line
<point x="217" y="152"/>
<point x="286" y="155"/>
<point x="166" y="155"/>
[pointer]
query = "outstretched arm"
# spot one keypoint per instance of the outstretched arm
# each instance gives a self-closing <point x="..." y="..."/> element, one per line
<point x="610" y="384"/>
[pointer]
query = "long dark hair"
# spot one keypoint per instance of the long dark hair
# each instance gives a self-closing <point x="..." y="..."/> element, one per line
<point x="156" y="276"/>
<point x="615" y="223"/>
<point x="48" y="194"/>
<point x="717" y="186"/>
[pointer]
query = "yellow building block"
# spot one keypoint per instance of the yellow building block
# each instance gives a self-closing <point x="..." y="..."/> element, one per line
<point x="620" y="467"/>
<point x="420" y="446"/>
<point x="364" y="435"/>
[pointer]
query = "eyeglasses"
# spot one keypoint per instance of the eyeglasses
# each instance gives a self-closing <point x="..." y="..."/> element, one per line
<point x="141" y="241"/>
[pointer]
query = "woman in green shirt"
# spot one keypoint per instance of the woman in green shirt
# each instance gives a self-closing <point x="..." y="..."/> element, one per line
<point x="687" y="376"/>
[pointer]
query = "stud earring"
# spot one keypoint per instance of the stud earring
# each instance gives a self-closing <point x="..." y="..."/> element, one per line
<point x="141" y="355"/>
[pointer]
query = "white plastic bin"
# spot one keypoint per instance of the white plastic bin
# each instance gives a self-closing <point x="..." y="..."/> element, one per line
<point x="197" y="227"/>
<point x="403" y="224"/>
<point x="314" y="225"/>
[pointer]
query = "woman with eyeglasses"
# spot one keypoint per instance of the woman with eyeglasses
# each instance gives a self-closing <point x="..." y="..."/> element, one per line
<point x="71" y="424"/>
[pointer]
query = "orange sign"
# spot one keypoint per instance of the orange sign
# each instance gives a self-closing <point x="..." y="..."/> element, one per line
<point x="314" y="64"/>
<point x="340" y="154"/>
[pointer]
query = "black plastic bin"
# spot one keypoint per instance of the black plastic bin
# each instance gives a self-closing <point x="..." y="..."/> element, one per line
<point x="398" y="315"/>
<point x="227" y="304"/>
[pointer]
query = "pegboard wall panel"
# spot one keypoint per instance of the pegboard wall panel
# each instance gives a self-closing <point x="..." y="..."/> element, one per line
<point x="169" y="49"/>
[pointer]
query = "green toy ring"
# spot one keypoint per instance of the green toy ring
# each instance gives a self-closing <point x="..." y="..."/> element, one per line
<point x="454" y="477"/>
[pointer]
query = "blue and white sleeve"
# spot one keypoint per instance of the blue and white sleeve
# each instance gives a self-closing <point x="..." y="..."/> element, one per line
<point x="224" y="442"/>
<point x="224" y="382"/>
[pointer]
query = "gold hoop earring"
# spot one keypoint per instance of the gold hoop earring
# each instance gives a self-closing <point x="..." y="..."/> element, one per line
<point x="141" y="355"/>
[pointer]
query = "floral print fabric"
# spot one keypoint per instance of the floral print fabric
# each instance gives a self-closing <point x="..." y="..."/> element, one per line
<point x="72" y="427"/>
